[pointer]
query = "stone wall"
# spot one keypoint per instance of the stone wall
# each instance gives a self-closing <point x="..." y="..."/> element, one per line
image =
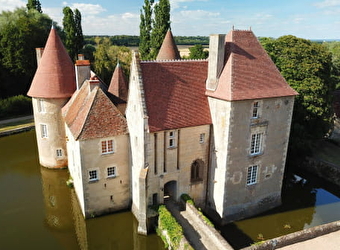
<point x="296" y="237"/>
<point x="323" y="169"/>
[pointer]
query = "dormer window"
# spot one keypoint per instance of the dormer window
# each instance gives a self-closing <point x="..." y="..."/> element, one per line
<point x="256" y="109"/>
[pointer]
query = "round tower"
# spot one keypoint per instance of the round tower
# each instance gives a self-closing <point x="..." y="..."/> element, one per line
<point x="52" y="86"/>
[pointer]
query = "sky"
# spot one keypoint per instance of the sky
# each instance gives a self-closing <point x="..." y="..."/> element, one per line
<point x="310" y="19"/>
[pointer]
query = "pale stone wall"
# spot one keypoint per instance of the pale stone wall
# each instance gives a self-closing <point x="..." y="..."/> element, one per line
<point x="74" y="166"/>
<point x="174" y="163"/>
<point x="137" y="122"/>
<point x="48" y="112"/>
<point x="107" y="194"/>
<point x="239" y="199"/>
<point x="220" y="115"/>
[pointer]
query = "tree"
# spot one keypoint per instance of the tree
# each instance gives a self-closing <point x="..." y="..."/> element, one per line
<point x="106" y="57"/>
<point x="145" y="28"/>
<point x="306" y="66"/>
<point x="161" y="24"/>
<point x="79" y="38"/>
<point x="74" y="38"/>
<point x="198" y="52"/>
<point x="34" y="5"/>
<point x="21" y="31"/>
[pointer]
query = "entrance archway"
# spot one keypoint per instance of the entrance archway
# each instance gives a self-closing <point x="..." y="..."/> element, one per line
<point x="170" y="190"/>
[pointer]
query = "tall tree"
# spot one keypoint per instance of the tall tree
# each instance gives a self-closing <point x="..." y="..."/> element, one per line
<point x="307" y="68"/>
<point x="74" y="39"/>
<point x="161" y="24"/>
<point x="21" y="31"/>
<point x="79" y="31"/>
<point x="145" y="29"/>
<point x="34" y="5"/>
<point x="70" y="31"/>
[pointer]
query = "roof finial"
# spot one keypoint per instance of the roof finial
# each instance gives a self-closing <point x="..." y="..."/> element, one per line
<point x="52" y="25"/>
<point x="233" y="27"/>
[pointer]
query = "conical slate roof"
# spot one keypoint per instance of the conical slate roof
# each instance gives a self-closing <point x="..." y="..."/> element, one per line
<point x="55" y="76"/>
<point x="168" y="50"/>
<point x="118" y="85"/>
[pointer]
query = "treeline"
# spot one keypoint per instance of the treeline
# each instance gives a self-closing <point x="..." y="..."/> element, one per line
<point x="133" y="41"/>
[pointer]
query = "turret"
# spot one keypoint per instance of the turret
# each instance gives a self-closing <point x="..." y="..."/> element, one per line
<point x="168" y="50"/>
<point x="52" y="86"/>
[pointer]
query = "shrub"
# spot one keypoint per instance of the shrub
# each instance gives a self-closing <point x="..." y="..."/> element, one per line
<point x="15" y="106"/>
<point x="166" y="222"/>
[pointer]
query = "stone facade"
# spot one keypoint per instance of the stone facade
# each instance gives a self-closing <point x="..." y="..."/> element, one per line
<point x="214" y="129"/>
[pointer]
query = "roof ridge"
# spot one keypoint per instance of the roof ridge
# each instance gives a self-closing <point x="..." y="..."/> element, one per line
<point x="175" y="60"/>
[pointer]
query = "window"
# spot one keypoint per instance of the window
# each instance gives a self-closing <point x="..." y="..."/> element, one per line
<point x="197" y="171"/>
<point x="93" y="175"/>
<point x="111" y="172"/>
<point x="43" y="128"/>
<point x="252" y="175"/>
<point x="256" y="106"/>
<point x="107" y="147"/>
<point x="256" y="143"/>
<point x="59" y="152"/>
<point x="41" y="106"/>
<point x="202" y="138"/>
<point x="172" y="139"/>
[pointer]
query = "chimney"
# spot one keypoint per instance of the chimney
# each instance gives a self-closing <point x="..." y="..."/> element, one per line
<point x="94" y="82"/>
<point x="39" y="52"/>
<point x="216" y="60"/>
<point x="83" y="70"/>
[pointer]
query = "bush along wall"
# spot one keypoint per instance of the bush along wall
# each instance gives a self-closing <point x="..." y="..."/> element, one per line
<point x="168" y="229"/>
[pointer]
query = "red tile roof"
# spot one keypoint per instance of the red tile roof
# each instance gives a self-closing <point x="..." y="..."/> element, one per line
<point x="168" y="50"/>
<point x="55" y="76"/>
<point x="118" y="85"/>
<point x="249" y="73"/>
<point x="175" y="94"/>
<point x="91" y="114"/>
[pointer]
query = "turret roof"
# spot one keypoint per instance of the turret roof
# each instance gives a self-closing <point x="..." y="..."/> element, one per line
<point x="168" y="50"/>
<point x="118" y="85"/>
<point x="55" y="76"/>
<point x="249" y="73"/>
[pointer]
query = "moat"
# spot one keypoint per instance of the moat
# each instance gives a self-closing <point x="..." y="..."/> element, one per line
<point x="39" y="211"/>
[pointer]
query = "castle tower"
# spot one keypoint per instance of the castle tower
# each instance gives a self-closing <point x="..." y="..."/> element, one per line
<point x="251" y="109"/>
<point x="168" y="50"/>
<point x="52" y="86"/>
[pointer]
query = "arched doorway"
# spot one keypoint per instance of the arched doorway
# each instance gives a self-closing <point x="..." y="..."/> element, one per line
<point x="170" y="190"/>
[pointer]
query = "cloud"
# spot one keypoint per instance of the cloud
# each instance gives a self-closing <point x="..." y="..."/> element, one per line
<point x="327" y="3"/>
<point x="6" y="5"/>
<point x="175" y="4"/>
<point x="198" y="14"/>
<point x="88" y="9"/>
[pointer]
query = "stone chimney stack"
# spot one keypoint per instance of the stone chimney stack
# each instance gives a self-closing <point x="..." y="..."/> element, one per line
<point x="216" y="60"/>
<point x="83" y="70"/>
<point x="94" y="82"/>
<point x="39" y="52"/>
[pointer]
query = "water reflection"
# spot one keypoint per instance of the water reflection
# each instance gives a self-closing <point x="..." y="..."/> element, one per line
<point x="304" y="206"/>
<point x="38" y="210"/>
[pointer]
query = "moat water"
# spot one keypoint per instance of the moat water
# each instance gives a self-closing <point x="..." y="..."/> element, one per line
<point x="38" y="211"/>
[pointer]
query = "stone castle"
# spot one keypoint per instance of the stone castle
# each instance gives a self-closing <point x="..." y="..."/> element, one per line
<point x="214" y="129"/>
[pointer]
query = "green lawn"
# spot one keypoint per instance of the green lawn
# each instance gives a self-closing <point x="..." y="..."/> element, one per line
<point x="14" y="125"/>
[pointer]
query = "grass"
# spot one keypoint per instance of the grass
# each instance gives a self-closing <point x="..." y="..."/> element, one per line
<point x="14" y="125"/>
